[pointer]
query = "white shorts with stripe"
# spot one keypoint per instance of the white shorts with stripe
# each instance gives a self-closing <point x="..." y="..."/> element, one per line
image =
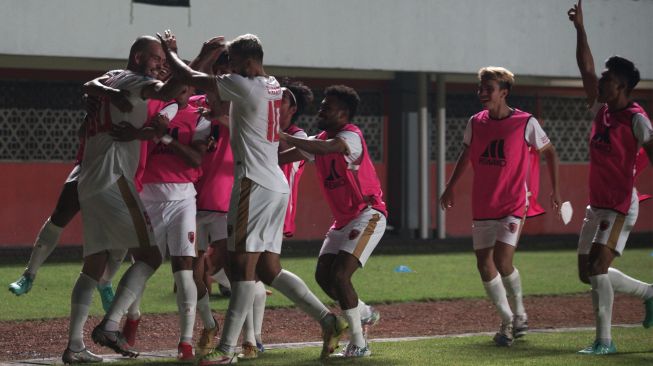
<point x="255" y="219"/>
<point x="485" y="233"/>
<point x="211" y="227"/>
<point x="73" y="176"/>
<point x="174" y="226"/>
<point x="115" y="218"/>
<point x="607" y="227"/>
<point x="359" y="237"/>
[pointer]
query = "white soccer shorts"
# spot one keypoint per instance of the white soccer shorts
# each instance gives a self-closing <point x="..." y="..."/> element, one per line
<point x="211" y="227"/>
<point x="359" y="237"/>
<point x="485" y="233"/>
<point x="607" y="227"/>
<point x="73" y="176"/>
<point x="255" y="219"/>
<point x="115" y="218"/>
<point x="174" y="226"/>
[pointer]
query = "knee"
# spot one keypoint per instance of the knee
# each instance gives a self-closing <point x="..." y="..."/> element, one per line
<point x="504" y="267"/>
<point x="341" y="278"/>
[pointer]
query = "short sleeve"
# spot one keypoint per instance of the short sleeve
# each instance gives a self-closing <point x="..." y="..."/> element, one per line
<point x="233" y="87"/>
<point x="203" y="129"/>
<point x="169" y="111"/>
<point x="642" y="129"/>
<point x="354" y="145"/>
<point x="535" y="135"/>
<point x="300" y="134"/>
<point x="467" y="136"/>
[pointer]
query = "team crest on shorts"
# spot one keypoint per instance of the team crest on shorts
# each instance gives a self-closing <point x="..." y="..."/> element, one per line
<point x="191" y="236"/>
<point x="604" y="225"/>
<point x="512" y="227"/>
<point x="354" y="234"/>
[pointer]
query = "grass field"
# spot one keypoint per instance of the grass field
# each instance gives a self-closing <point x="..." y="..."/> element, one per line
<point x="442" y="276"/>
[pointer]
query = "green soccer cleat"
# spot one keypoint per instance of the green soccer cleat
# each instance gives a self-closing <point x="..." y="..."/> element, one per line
<point x="648" y="319"/>
<point x="333" y="329"/>
<point x="599" y="349"/>
<point x="106" y="295"/>
<point x="22" y="285"/>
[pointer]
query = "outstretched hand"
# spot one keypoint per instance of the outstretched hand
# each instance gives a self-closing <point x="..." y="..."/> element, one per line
<point x="576" y="14"/>
<point x="168" y="41"/>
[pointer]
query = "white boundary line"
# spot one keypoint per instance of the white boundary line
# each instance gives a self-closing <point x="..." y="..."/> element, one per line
<point x="173" y="353"/>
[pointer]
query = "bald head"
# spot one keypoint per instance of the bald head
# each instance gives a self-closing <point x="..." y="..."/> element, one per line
<point x="146" y="56"/>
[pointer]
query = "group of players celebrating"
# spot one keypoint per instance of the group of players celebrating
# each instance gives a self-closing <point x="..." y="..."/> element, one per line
<point x="211" y="179"/>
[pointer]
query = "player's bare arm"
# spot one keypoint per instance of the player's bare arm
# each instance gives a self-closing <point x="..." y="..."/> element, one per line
<point x="125" y="131"/>
<point x="552" y="163"/>
<point x="119" y="98"/>
<point x="447" y="198"/>
<point x="584" y="54"/>
<point x="320" y="147"/>
<point x="290" y="156"/>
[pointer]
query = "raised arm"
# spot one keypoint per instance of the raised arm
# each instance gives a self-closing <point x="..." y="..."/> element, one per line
<point x="584" y="54"/>
<point x="119" y="98"/>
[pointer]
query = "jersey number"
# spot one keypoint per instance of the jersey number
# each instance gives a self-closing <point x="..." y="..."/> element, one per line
<point x="274" y="107"/>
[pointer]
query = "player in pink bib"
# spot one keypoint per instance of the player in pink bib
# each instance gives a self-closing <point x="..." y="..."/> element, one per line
<point x="497" y="143"/>
<point x="621" y="128"/>
<point x="353" y="191"/>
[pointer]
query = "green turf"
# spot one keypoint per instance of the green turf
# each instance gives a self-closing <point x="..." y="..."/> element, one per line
<point x="634" y="346"/>
<point x="442" y="276"/>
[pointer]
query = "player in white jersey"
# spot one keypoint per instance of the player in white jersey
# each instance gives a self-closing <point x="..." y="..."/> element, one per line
<point x="112" y="214"/>
<point x="260" y="193"/>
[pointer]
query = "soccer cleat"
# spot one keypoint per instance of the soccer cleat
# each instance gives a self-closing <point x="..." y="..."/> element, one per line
<point x="218" y="357"/>
<point x="598" y="348"/>
<point x="185" y="352"/>
<point x="332" y="331"/>
<point x="351" y="350"/>
<point x="370" y="321"/>
<point x="112" y="339"/>
<point x="248" y="352"/>
<point x="106" y="295"/>
<point x="519" y="326"/>
<point x="208" y="340"/>
<point x="129" y="330"/>
<point x="260" y="347"/>
<point x="84" y="356"/>
<point x="648" y="318"/>
<point x="22" y="285"/>
<point x="503" y="337"/>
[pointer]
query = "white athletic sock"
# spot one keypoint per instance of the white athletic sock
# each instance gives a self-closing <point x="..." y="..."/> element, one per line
<point x="626" y="284"/>
<point x="45" y="243"/>
<point x="248" y="327"/>
<point x="204" y="310"/>
<point x="512" y="284"/>
<point x="497" y="293"/>
<point x="258" y="310"/>
<point x="296" y="290"/>
<point x="602" y="298"/>
<point x="80" y="301"/>
<point x="355" y="329"/>
<point x="129" y="289"/>
<point x="186" y="303"/>
<point x="134" y="310"/>
<point x="113" y="265"/>
<point x="364" y="309"/>
<point x="221" y="278"/>
<point x="242" y="298"/>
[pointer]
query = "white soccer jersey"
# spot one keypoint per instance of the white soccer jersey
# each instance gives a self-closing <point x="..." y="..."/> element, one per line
<point x="106" y="160"/>
<point x="254" y="125"/>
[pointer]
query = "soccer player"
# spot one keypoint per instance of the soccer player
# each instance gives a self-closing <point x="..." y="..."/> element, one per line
<point x="260" y="192"/>
<point x="496" y="143"/>
<point x="353" y="192"/>
<point x="112" y="214"/>
<point x="619" y="130"/>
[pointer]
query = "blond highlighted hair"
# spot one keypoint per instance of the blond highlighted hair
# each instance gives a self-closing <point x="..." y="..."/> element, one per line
<point x="504" y="77"/>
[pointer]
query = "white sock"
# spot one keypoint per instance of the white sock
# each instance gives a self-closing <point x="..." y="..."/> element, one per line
<point x="134" y="310"/>
<point x="45" y="243"/>
<point x="242" y="298"/>
<point x="80" y="301"/>
<point x="248" y="327"/>
<point x="296" y="290"/>
<point x="113" y="265"/>
<point x="355" y="329"/>
<point x="602" y="298"/>
<point x="221" y="278"/>
<point x="204" y="310"/>
<point x="626" y="284"/>
<point x="497" y="293"/>
<point x="186" y="303"/>
<point x="129" y="289"/>
<point x="512" y="284"/>
<point x="364" y="309"/>
<point x="258" y="310"/>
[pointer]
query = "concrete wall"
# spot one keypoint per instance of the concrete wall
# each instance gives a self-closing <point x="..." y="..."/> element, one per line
<point x="531" y="37"/>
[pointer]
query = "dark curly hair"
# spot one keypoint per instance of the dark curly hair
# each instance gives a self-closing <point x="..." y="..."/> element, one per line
<point x="346" y="96"/>
<point x="303" y="97"/>
<point x="625" y="70"/>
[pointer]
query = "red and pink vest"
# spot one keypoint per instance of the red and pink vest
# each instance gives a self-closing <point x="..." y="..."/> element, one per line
<point x="162" y="165"/>
<point x="293" y="172"/>
<point x="500" y="157"/>
<point x="214" y="186"/>
<point x="613" y="158"/>
<point x="349" y="192"/>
